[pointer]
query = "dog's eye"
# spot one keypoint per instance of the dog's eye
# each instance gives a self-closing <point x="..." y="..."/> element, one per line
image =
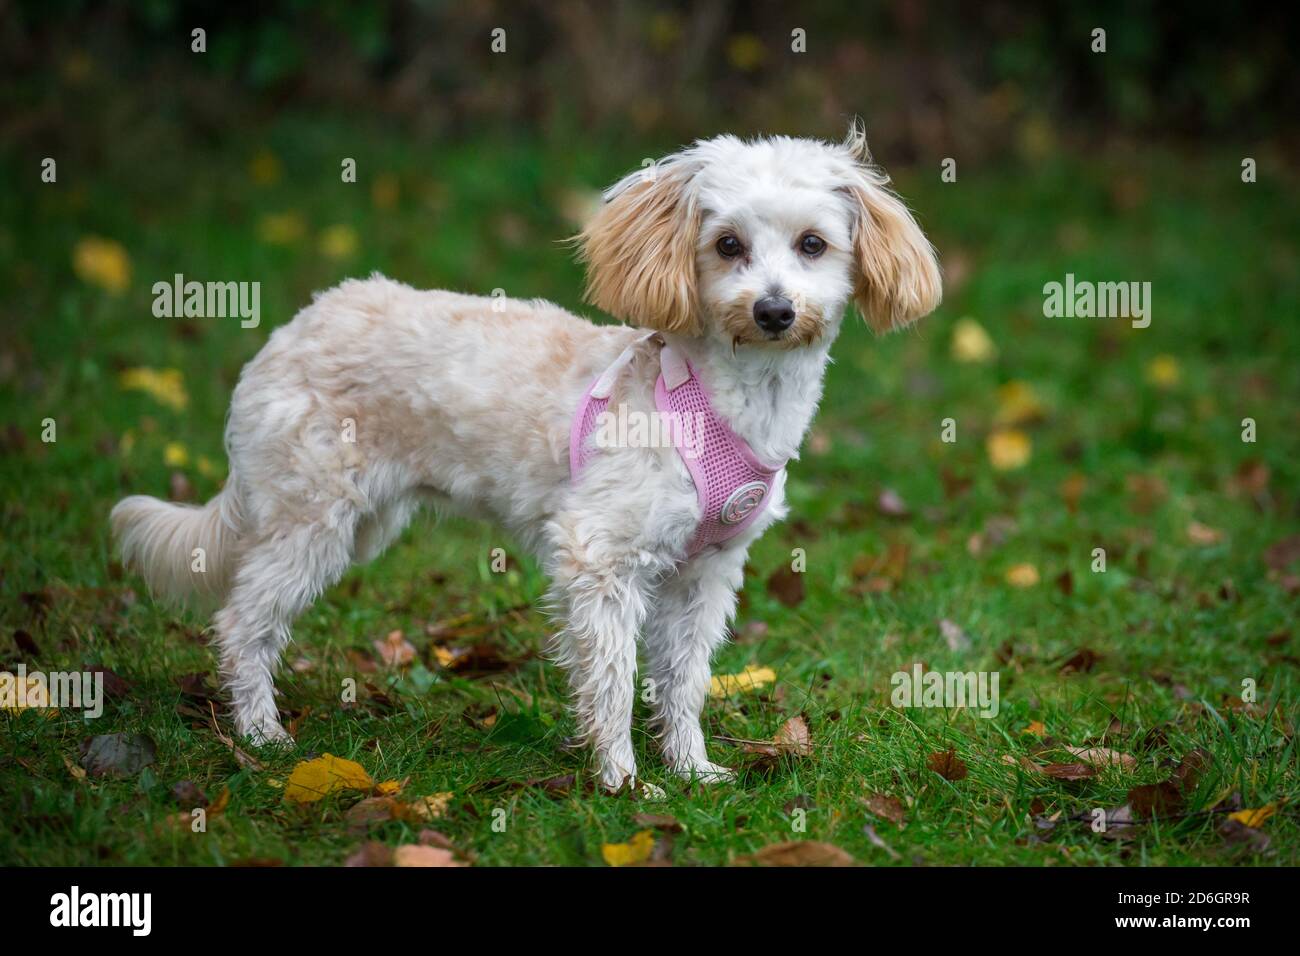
<point x="812" y="245"/>
<point x="729" y="247"/>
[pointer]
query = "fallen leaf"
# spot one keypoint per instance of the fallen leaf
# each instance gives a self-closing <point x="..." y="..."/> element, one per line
<point x="1072" y="489"/>
<point x="166" y="386"/>
<point x="1018" y="404"/>
<point x="1036" y="728"/>
<point x="1022" y="575"/>
<point x="414" y="854"/>
<point x="947" y="764"/>
<point x="1068" y="771"/>
<point x="1163" y="371"/>
<point x="1081" y="661"/>
<point x="1282" y="554"/>
<point x="635" y="850"/>
<point x="886" y="807"/>
<point x="117" y="755"/>
<point x="312" y="780"/>
<point x="752" y="678"/>
<point x="102" y="262"/>
<point x="786" y="585"/>
<point x="970" y="343"/>
<point x="798" y="853"/>
<point x="1237" y="833"/>
<point x="1008" y="449"/>
<point x="395" y="650"/>
<point x="371" y="854"/>
<point x="1254" y="818"/>
<point x="1104" y="757"/>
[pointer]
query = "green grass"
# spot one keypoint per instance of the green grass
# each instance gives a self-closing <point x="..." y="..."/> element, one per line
<point x="1176" y="639"/>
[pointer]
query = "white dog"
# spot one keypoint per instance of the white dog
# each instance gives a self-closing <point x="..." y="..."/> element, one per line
<point x="376" y="398"/>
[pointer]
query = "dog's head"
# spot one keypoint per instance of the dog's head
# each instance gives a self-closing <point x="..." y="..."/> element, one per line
<point x="759" y="243"/>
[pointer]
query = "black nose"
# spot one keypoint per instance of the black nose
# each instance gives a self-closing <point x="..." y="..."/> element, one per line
<point x="774" y="313"/>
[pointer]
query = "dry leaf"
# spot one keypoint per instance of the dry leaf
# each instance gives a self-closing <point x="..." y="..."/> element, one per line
<point x="786" y="585"/>
<point x="1022" y="575"/>
<point x="635" y="850"/>
<point x="1254" y="818"/>
<point x="395" y="650"/>
<point x="886" y="807"/>
<point x="1103" y="757"/>
<point x="1008" y="449"/>
<point x="1037" y="728"/>
<point x="1203" y="535"/>
<point x="747" y="681"/>
<point x="313" y="780"/>
<point x="798" y="853"/>
<point x="1068" y="771"/>
<point x="970" y="343"/>
<point x="414" y="854"/>
<point x="947" y="764"/>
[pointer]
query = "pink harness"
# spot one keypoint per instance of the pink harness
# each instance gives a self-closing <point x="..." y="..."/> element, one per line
<point x="732" y="485"/>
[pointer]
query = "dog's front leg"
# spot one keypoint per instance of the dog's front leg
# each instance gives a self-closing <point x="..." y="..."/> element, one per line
<point x="605" y="606"/>
<point x="688" y="622"/>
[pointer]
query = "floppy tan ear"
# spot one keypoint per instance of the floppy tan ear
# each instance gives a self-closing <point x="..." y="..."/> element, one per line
<point x="640" y="249"/>
<point x="898" y="277"/>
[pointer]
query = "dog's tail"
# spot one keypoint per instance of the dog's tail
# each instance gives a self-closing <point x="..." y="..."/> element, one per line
<point x="185" y="553"/>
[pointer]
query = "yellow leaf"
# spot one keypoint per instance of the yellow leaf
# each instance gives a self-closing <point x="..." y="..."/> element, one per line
<point x="1163" y="371"/>
<point x="635" y="850"/>
<point x="338" y="242"/>
<point x="165" y="385"/>
<point x="1022" y="575"/>
<point x="388" y="788"/>
<point x="750" y="679"/>
<point x="218" y="806"/>
<point x="175" y="455"/>
<point x="1036" y="727"/>
<point x="205" y="466"/>
<point x="102" y="262"/>
<point x="1018" y="404"/>
<point x="264" y="168"/>
<point x="312" y="780"/>
<point x="281" y="229"/>
<point x="970" y="343"/>
<point x="428" y="808"/>
<point x="1009" y="449"/>
<point x="1254" y="818"/>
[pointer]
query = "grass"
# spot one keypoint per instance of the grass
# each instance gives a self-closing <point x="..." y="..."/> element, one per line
<point x="1175" y="624"/>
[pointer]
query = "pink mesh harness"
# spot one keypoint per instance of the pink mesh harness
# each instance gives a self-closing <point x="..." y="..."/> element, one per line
<point x="732" y="485"/>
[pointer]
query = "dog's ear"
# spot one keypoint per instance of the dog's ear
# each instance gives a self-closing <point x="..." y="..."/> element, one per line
<point x="898" y="278"/>
<point x="639" y="249"/>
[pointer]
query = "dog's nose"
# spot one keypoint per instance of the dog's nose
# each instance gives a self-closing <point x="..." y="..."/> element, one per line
<point x="774" y="313"/>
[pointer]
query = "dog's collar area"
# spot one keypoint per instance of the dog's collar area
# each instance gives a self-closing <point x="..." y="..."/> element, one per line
<point x="732" y="485"/>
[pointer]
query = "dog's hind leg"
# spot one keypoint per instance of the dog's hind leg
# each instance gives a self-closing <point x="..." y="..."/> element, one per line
<point x="277" y="578"/>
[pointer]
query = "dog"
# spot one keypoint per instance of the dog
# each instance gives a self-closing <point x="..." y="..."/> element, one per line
<point x="732" y="262"/>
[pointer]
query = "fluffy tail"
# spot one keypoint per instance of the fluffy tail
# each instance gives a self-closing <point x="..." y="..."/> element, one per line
<point x="185" y="553"/>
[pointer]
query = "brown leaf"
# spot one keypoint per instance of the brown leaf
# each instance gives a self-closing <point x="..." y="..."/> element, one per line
<point x="947" y="764"/>
<point x="798" y="853"/>
<point x="415" y="854"/>
<point x="657" y="821"/>
<point x="786" y="585"/>
<point x="1068" y="771"/>
<point x="1237" y="833"/>
<point x="886" y="807"/>
<point x="793" y="739"/>
<point x="115" y="687"/>
<point x="395" y="650"/>
<point x="1104" y="757"/>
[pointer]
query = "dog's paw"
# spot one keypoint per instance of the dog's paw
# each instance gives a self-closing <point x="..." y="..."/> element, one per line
<point x="275" y="736"/>
<point x="704" y="772"/>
